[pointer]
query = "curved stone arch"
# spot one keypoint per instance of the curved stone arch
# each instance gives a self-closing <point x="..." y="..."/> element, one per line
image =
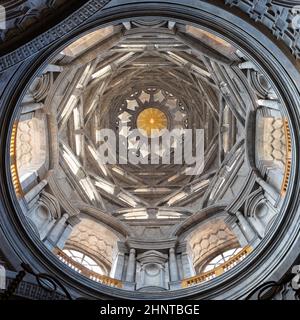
<point x="205" y="235"/>
<point x="52" y="204"/>
<point x="109" y="221"/>
<point x="190" y="224"/>
<point x="286" y="3"/>
<point x="94" y="239"/>
<point x="292" y="238"/>
<point x="209" y="239"/>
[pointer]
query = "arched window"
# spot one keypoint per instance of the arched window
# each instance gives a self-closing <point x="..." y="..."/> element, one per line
<point x="221" y="258"/>
<point x="85" y="260"/>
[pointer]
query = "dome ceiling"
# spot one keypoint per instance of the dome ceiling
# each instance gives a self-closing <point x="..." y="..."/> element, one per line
<point x="144" y="71"/>
<point x="138" y="80"/>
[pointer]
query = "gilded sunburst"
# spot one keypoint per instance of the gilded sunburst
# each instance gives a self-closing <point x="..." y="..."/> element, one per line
<point x="152" y="120"/>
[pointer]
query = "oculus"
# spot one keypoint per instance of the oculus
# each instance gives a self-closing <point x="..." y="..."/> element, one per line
<point x="152" y="121"/>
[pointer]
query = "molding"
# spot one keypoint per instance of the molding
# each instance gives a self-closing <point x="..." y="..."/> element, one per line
<point x="195" y="220"/>
<point x="107" y="219"/>
<point x="46" y="39"/>
<point x="275" y="17"/>
<point x="151" y="245"/>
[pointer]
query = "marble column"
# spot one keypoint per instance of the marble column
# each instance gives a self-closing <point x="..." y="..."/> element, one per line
<point x="187" y="266"/>
<point x="274" y="194"/>
<point x="57" y="232"/>
<point x="118" y="266"/>
<point x="232" y="223"/>
<point x="246" y="227"/>
<point x="130" y="274"/>
<point x="173" y="265"/>
<point x="64" y="237"/>
<point x="68" y="228"/>
<point x="45" y="230"/>
<point x="180" y="269"/>
<point x="162" y="275"/>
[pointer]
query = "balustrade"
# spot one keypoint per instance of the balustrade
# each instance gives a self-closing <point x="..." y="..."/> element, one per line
<point x="218" y="270"/>
<point x="86" y="272"/>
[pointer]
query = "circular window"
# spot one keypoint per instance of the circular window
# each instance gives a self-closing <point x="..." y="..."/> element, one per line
<point x="221" y="259"/>
<point x="84" y="260"/>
